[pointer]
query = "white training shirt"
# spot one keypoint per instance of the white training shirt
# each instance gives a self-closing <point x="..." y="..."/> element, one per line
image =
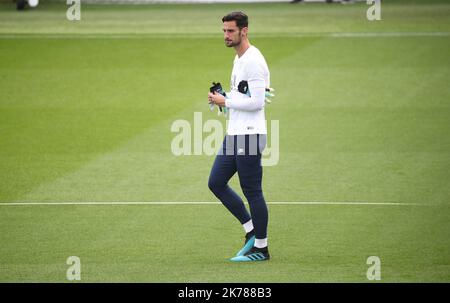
<point x="246" y="114"/>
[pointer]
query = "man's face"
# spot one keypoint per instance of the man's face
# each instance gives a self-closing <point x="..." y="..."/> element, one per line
<point x="232" y="34"/>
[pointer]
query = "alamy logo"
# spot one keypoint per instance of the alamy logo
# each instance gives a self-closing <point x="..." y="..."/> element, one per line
<point x="181" y="144"/>
<point x="374" y="271"/>
<point x="74" y="270"/>
<point x="74" y="12"/>
<point x="374" y="12"/>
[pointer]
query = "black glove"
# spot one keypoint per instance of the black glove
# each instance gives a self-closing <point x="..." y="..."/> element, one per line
<point x="217" y="87"/>
<point x="243" y="87"/>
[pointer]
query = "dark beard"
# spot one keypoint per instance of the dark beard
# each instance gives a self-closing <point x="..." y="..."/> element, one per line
<point x="234" y="43"/>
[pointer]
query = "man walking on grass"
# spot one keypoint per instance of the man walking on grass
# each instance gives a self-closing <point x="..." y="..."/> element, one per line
<point x="245" y="139"/>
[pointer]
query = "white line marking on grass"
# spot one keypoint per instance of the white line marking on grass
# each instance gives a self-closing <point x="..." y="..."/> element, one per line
<point x="203" y="203"/>
<point x="207" y="35"/>
<point x="390" y="34"/>
<point x="344" y="203"/>
<point x="107" y="203"/>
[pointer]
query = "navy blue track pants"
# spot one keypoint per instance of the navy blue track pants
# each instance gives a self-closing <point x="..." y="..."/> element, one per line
<point x="241" y="154"/>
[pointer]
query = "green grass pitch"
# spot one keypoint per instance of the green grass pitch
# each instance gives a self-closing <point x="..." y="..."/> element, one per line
<point x="85" y="114"/>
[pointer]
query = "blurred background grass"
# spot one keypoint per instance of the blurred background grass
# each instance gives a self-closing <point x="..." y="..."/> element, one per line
<point x="85" y="115"/>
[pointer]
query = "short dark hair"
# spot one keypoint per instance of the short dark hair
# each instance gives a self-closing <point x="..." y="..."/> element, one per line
<point x="240" y="18"/>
